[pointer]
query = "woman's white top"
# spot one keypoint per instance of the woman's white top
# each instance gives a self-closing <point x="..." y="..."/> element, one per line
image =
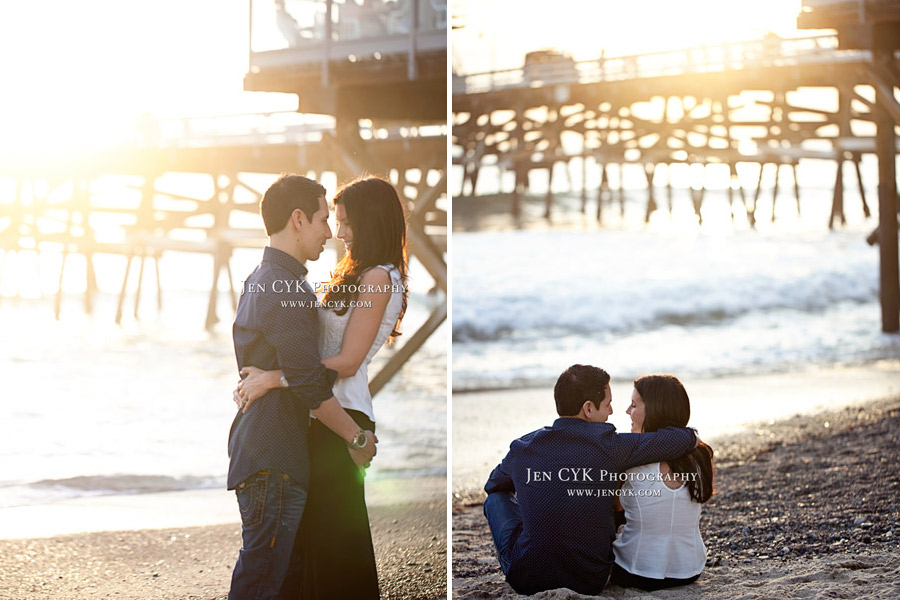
<point x="661" y="537"/>
<point x="353" y="392"/>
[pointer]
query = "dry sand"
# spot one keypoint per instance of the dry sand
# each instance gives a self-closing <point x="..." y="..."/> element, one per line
<point x="805" y="508"/>
<point x="195" y="563"/>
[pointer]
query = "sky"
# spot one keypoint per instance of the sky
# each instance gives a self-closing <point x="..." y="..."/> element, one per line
<point x="75" y="73"/>
<point x="497" y="33"/>
<point x="80" y="73"/>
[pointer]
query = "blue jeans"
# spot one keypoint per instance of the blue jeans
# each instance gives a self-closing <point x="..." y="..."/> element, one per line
<point x="505" y="520"/>
<point x="271" y="505"/>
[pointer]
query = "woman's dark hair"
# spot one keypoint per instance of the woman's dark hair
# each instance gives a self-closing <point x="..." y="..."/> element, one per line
<point x="375" y="214"/>
<point x="666" y="404"/>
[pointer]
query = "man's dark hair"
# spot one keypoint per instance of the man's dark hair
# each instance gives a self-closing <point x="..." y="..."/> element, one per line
<point x="285" y="196"/>
<point x="578" y="384"/>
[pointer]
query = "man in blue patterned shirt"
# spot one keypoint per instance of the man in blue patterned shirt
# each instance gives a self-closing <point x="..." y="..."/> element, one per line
<point x="276" y="327"/>
<point x="549" y="503"/>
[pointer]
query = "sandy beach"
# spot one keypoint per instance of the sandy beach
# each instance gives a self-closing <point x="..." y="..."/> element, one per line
<point x="806" y="507"/>
<point x="193" y="563"/>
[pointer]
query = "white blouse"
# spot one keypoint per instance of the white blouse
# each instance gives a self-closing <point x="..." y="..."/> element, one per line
<point x="353" y="392"/>
<point x="661" y="537"/>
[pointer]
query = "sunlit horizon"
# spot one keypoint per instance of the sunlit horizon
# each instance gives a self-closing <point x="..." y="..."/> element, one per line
<point x="496" y="34"/>
<point x="80" y="75"/>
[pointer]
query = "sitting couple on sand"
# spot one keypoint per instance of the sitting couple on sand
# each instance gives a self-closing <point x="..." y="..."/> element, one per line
<point x="551" y="502"/>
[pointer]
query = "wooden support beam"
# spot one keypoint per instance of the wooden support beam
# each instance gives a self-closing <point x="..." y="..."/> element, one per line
<point x="862" y="190"/>
<point x="159" y="295"/>
<point x="603" y="185"/>
<point x="649" y="171"/>
<point x="219" y="259"/>
<point x="128" y="261"/>
<point x="91" y="282"/>
<point x="140" y="282"/>
<point x="548" y="199"/>
<point x="583" y="184"/>
<point x="775" y="190"/>
<point x="735" y="177"/>
<point x="751" y="211"/>
<point x="884" y="82"/>
<point x="669" y="192"/>
<point x="887" y="117"/>
<point x="697" y="196"/>
<point x="437" y="316"/>
<point x="57" y="309"/>
<point x="837" y="201"/>
<point x="516" y="200"/>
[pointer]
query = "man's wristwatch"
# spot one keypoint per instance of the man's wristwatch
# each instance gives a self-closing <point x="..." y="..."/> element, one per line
<point x="359" y="440"/>
<point x="284" y="382"/>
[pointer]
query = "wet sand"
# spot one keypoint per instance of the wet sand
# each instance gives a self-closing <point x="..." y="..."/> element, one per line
<point x="807" y="507"/>
<point x="193" y="563"/>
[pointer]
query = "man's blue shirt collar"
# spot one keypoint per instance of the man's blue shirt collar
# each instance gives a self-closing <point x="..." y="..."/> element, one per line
<point x="286" y="261"/>
<point x="575" y="422"/>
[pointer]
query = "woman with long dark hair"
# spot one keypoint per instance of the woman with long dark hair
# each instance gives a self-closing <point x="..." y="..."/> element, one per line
<point x="660" y="545"/>
<point x="362" y="309"/>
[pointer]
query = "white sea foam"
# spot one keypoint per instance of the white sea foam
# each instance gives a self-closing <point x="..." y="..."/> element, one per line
<point x="93" y="409"/>
<point x="529" y="303"/>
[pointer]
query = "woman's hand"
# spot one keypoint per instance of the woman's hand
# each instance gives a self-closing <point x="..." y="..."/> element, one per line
<point x="255" y="385"/>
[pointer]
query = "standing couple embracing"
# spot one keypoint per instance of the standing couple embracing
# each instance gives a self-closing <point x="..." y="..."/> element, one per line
<point x="299" y="480"/>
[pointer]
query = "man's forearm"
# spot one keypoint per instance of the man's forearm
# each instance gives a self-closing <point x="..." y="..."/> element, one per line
<point x="666" y="444"/>
<point x="331" y="414"/>
<point x="499" y="481"/>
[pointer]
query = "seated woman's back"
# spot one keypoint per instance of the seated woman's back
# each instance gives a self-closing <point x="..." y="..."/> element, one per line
<point x="661" y="537"/>
<point x="660" y="544"/>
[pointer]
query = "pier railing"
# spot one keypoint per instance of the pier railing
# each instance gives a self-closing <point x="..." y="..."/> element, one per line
<point x="268" y="128"/>
<point x="767" y="52"/>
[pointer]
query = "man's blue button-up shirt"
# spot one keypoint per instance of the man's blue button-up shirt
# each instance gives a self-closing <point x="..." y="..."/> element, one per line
<point x="277" y="327"/>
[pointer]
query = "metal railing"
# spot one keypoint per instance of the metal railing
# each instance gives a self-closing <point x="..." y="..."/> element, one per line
<point x="257" y="129"/>
<point x="306" y="32"/>
<point x="769" y="51"/>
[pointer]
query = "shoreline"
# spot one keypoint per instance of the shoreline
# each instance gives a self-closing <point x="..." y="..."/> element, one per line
<point x="485" y="423"/>
<point x="776" y="526"/>
<point x="880" y="365"/>
<point x="183" y="508"/>
<point x="195" y="562"/>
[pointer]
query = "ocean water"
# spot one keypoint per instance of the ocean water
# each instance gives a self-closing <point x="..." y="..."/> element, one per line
<point x="709" y="300"/>
<point x="91" y="408"/>
<point x="759" y="324"/>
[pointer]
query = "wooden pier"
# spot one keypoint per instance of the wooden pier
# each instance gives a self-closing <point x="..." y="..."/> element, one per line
<point x="383" y="121"/>
<point x="690" y="107"/>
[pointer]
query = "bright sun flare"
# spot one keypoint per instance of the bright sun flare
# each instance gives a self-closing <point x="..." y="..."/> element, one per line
<point x="80" y="74"/>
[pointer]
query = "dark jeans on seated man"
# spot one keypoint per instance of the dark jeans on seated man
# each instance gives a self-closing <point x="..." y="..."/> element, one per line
<point x="505" y="520"/>
<point x="271" y="505"/>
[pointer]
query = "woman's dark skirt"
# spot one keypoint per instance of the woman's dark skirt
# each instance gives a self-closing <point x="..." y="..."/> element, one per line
<point x="338" y="557"/>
